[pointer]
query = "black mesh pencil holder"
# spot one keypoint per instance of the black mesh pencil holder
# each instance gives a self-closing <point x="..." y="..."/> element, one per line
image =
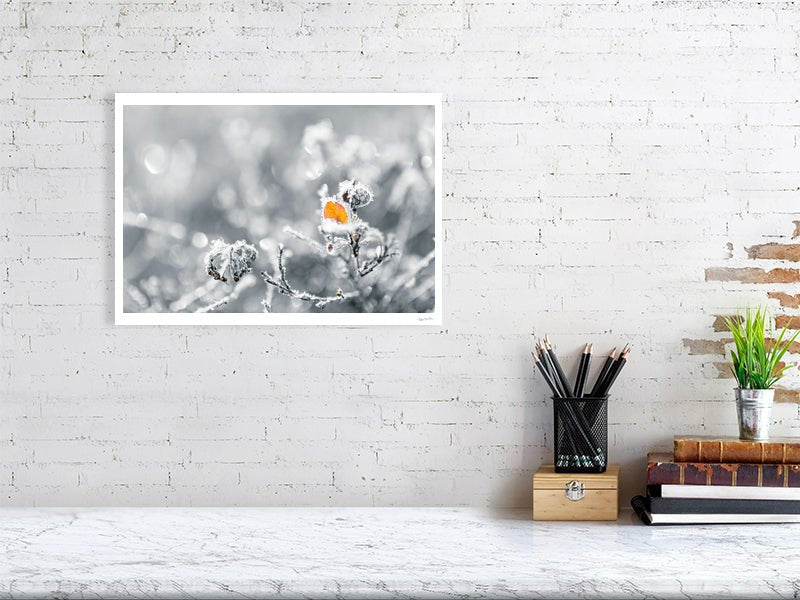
<point x="581" y="435"/>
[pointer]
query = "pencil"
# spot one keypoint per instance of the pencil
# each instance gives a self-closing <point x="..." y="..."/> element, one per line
<point x="583" y="369"/>
<point x="547" y="360"/>
<point x="545" y="374"/>
<point x="544" y="366"/>
<point x="559" y="371"/>
<point x="614" y="373"/>
<point x="579" y="372"/>
<point x="539" y="353"/>
<point x="598" y="383"/>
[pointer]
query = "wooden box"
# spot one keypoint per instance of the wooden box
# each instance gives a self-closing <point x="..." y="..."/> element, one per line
<point x="575" y="496"/>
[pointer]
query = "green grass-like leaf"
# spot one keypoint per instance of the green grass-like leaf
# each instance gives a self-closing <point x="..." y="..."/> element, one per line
<point x="752" y="363"/>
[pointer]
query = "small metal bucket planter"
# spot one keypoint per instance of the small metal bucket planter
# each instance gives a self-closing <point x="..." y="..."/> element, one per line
<point x="754" y="409"/>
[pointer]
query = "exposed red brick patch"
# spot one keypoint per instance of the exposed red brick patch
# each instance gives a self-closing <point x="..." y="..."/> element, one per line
<point x="753" y="275"/>
<point x="786" y="300"/>
<point x="782" y="395"/>
<point x="719" y="322"/>
<point x="790" y="321"/>
<point x="780" y="321"/>
<point x="794" y="347"/>
<point x="717" y="347"/>
<point x="723" y="370"/>
<point x="775" y="251"/>
<point x="713" y="347"/>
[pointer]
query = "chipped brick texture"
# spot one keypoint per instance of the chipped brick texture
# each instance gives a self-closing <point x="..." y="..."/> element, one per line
<point x="606" y="168"/>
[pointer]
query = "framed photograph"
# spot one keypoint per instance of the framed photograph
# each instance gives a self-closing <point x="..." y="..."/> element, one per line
<point x="278" y="209"/>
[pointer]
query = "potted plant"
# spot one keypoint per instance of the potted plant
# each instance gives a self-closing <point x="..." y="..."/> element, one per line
<point x="756" y="364"/>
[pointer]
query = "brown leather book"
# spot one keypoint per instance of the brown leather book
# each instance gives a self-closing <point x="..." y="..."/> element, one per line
<point x="733" y="450"/>
<point x="662" y="469"/>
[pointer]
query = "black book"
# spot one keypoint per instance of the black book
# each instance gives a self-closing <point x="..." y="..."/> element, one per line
<point x="642" y="506"/>
<point x="716" y="506"/>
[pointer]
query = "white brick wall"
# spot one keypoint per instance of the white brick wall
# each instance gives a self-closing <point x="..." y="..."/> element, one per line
<point x="598" y="158"/>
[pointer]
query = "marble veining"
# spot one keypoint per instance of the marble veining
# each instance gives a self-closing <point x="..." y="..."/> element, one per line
<point x="382" y="553"/>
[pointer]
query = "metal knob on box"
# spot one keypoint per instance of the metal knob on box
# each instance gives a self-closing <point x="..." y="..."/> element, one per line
<point x="573" y="490"/>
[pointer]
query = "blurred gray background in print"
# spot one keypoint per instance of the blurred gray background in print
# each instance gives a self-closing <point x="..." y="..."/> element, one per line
<point x="212" y="193"/>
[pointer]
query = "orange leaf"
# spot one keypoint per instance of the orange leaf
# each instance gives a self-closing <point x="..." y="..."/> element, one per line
<point x="335" y="211"/>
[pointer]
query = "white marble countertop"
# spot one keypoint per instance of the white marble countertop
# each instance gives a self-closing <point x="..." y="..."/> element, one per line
<point x="382" y="553"/>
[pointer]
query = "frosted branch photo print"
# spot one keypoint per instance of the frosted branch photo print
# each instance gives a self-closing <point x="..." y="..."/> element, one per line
<point x="278" y="209"/>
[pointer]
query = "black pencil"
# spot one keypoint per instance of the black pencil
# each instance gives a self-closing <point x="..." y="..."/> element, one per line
<point x="579" y="372"/>
<point x="539" y="354"/>
<point x="583" y="369"/>
<point x="545" y="366"/>
<point x="547" y="361"/>
<point x="559" y="371"/>
<point x="614" y="373"/>
<point x="545" y="374"/>
<point x="598" y="383"/>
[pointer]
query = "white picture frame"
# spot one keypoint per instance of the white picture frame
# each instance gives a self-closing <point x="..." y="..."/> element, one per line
<point x="122" y="317"/>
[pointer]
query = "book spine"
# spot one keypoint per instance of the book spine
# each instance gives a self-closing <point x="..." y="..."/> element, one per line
<point x="744" y="474"/>
<point x="735" y="451"/>
<point x="706" y="506"/>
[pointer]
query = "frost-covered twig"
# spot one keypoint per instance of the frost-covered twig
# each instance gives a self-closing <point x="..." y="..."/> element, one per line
<point x="247" y="281"/>
<point x="350" y="237"/>
<point x="282" y="285"/>
<point x="267" y="301"/>
<point x="315" y="245"/>
<point x="282" y="267"/>
<point x="382" y="255"/>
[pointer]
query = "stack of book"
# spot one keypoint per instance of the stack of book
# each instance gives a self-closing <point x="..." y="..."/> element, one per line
<point x="722" y="480"/>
